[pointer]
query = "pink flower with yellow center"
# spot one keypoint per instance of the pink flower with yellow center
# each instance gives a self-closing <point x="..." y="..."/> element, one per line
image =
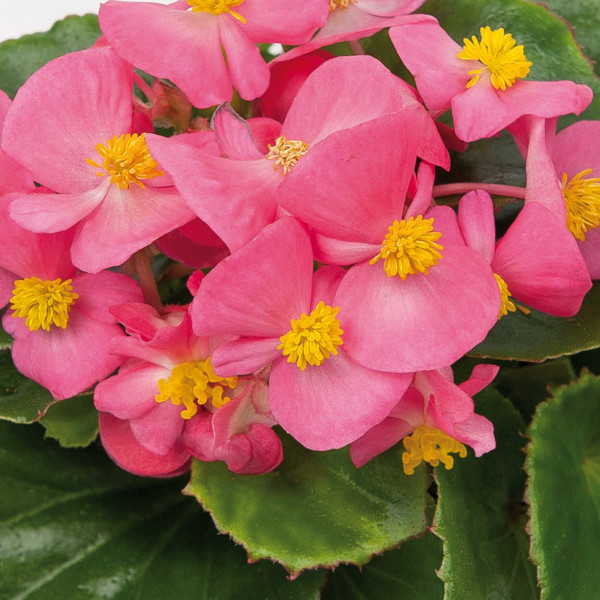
<point x="71" y="125"/>
<point x="484" y="81"/>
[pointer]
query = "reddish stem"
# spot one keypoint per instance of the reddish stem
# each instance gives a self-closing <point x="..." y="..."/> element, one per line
<point x="143" y="268"/>
<point x="449" y="189"/>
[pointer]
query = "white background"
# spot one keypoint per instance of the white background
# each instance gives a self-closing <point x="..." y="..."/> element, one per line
<point x="31" y="16"/>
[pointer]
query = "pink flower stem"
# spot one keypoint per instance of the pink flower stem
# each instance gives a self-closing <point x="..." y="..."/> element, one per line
<point x="143" y="268"/>
<point x="144" y="87"/>
<point x="449" y="189"/>
<point x="356" y="47"/>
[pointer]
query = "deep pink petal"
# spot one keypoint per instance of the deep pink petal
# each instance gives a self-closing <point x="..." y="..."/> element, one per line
<point x="476" y="219"/>
<point x="121" y="445"/>
<point x="234" y="134"/>
<point x="424" y="322"/>
<point x="50" y="128"/>
<point x="340" y="252"/>
<point x="267" y="296"/>
<point x="333" y="404"/>
<point x="158" y="430"/>
<point x="541" y="263"/>
<point x="590" y="250"/>
<point x="480" y="378"/>
<point x="245" y="356"/>
<point x="378" y="439"/>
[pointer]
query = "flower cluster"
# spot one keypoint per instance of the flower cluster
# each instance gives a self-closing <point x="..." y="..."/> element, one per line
<point x="330" y="294"/>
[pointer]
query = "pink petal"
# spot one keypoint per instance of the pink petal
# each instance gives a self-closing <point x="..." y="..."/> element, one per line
<point x="476" y="219"/>
<point x="245" y="356"/>
<point x="121" y="445"/>
<point x="333" y="404"/>
<point x="159" y="429"/>
<point x="50" y="128"/>
<point x="234" y="134"/>
<point x="480" y="378"/>
<point x="590" y="250"/>
<point x="378" y="439"/>
<point x="577" y="148"/>
<point x="265" y="297"/>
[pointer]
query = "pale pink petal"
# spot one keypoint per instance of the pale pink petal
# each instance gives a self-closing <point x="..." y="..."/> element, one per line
<point x="333" y="404"/>
<point x="476" y="219"/>
<point x="49" y="213"/>
<point x="179" y="45"/>
<point x="424" y="322"/>
<point x="577" y="148"/>
<point x="50" y="128"/>
<point x="245" y="355"/>
<point x="265" y="297"/>
<point x="65" y="361"/>
<point x="121" y="445"/>
<point x="158" y="430"/>
<point x="131" y="393"/>
<point x="541" y="263"/>
<point x="340" y="252"/>
<point x="480" y="378"/>
<point x="125" y="222"/>
<point x="388" y="8"/>
<point x="477" y="432"/>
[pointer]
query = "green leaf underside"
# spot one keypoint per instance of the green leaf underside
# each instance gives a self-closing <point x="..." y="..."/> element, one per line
<point x="563" y="465"/>
<point x="537" y="336"/>
<point x="405" y="573"/>
<point x="75" y="527"/>
<point x="73" y="422"/>
<point x="316" y="509"/>
<point x="480" y="516"/>
<point x="21" y="400"/>
<point x="20" y="58"/>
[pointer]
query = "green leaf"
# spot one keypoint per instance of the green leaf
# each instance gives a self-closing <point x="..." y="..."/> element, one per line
<point x="73" y="422"/>
<point x="20" y="58"/>
<point x="407" y="572"/>
<point x="21" y="400"/>
<point x="316" y="509"/>
<point x="480" y="515"/>
<point x="538" y="336"/>
<point x="75" y="527"/>
<point x="563" y="464"/>
<point x="583" y="16"/>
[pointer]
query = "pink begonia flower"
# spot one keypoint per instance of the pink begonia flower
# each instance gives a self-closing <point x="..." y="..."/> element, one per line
<point x="207" y="48"/>
<point x="435" y="417"/>
<point x="435" y="301"/>
<point x="235" y="194"/>
<point x="351" y="20"/>
<point x="482" y="81"/>
<point x="70" y="125"/>
<point x="59" y="318"/>
<point x="536" y="261"/>
<point x="563" y="174"/>
<point x="166" y="404"/>
<point x="285" y="317"/>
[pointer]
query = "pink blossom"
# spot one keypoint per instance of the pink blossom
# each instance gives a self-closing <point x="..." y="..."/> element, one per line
<point x="537" y="258"/>
<point x="70" y="114"/>
<point x="484" y="100"/>
<point x="355" y="207"/>
<point x="70" y="352"/>
<point x="318" y="394"/>
<point x="431" y="406"/>
<point x="208" y="48"/>
<point x="150" y="425"/>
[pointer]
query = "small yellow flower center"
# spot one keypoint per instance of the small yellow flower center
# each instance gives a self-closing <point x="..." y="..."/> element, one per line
<point x="127" y="160"/>
<point x="505" y="296"/>
<point x="497" y="51"/>
<point x="409" y="247"/>
<point x="43" y="303"/>
<point x="582" y="201"/>
<point x="286" y="152"/>
<point x="335" y="4"/>
<point x="217" y="7"/>
<point x="313" y="338"/>
<point x="431" y="445"/>
<point x="193" y="384"/>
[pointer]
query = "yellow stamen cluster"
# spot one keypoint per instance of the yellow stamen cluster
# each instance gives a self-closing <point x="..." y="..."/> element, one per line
<point x="286" y="153"/>
<point x="582" y="201"/>
<point x="505" y="296"/>
<point x="43" y="303"/>
<point x="313" y="338"/>
<point x="431" y="445"/>
<point x="217" y="7"/>
<point x="409" y="247"/>
<point x="127" y="160"/>
<point x="335" y="4"/>
<point x="497" y="51"/>
<point x="193" y="384"/>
